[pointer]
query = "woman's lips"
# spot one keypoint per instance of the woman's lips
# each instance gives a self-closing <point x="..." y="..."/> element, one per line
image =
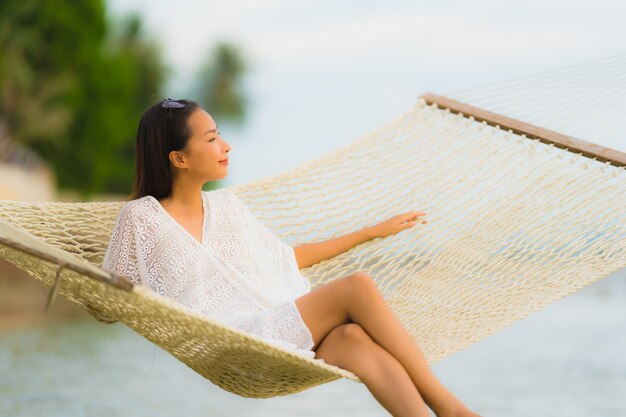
<point x="224" y="162"/>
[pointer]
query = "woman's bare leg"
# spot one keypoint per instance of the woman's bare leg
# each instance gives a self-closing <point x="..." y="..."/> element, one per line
<point x="355" y="298"/>
<point x="350" y="347"/>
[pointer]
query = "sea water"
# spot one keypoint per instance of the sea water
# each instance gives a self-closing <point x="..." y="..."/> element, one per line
<point x="567" y="359"/>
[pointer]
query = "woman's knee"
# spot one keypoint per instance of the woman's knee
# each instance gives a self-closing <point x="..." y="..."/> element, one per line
<point x="352" y="333"/>
<point x="346" y="336"/>
<point x="360" y="282"/>
<point x="345" y="346"/>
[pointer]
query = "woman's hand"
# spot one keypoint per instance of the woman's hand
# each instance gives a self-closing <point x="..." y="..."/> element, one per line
<point x="396" y="224"/>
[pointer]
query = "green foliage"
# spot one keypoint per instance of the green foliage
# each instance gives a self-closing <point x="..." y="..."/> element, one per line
<point x="43" y="46"/>
<point x="72" y="87"/>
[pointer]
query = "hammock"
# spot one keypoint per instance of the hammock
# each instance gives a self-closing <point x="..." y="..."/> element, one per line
<point x="519" y="217"/>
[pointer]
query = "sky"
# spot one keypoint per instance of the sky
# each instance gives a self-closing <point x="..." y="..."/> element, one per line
<point x="323" y="74"/>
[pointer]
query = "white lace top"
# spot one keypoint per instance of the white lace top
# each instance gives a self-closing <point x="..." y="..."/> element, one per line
<point x="241" y="274"/>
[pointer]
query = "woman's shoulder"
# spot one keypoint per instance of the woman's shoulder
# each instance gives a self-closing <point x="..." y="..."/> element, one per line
<point x="136" y="207"/>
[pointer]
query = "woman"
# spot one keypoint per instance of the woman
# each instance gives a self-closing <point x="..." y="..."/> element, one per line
<point x="245" y="276"/>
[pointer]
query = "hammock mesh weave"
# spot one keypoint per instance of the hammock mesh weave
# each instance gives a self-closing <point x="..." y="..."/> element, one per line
<point x="513" y="225"/>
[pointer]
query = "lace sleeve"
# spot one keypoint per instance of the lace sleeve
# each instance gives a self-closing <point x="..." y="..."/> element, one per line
<point x="121" y="255"/>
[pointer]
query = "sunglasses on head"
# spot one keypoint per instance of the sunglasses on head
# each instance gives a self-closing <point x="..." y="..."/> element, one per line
<point x="171" y="103"/>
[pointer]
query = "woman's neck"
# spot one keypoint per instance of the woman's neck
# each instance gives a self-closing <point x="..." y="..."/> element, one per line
<point x="184" y="199"/>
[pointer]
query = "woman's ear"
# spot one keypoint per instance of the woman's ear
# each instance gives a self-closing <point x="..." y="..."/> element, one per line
<point x="177" y="159"/>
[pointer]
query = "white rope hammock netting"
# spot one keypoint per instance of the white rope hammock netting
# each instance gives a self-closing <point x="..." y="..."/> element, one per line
<point x="514" y="225"/>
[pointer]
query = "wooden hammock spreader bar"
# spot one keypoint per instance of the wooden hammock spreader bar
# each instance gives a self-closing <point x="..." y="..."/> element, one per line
<point x="117" y="281"/>
<point x="588" y="149"/>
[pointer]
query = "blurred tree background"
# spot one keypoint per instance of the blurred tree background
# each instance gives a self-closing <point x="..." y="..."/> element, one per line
<point x="74" y="83"/>
<point x="218" y="85"/>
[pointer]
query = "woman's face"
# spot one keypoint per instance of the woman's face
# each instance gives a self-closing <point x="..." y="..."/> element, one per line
<point x="205" y="148"/>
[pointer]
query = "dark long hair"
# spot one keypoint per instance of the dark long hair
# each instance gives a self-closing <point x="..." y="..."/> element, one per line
<point x="153" y="170"/>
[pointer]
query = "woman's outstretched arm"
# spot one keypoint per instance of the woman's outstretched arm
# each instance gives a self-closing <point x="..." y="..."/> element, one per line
<point x="309" y="254"/>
